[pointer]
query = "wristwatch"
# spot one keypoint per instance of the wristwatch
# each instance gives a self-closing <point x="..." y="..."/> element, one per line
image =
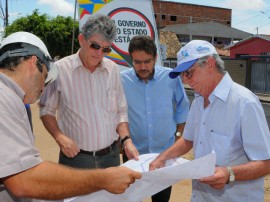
<point x="178" y="134"/>
<point x="124" y="139"/>
<point x="231" y="175"/>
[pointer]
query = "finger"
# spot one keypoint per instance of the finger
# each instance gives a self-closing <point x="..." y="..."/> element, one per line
<point x="137" y="175"/>
<point x="136" y="157"/>
<point x="132" y="180"/>
<point x="77" y="150"/>
<point x="67" y="155"/>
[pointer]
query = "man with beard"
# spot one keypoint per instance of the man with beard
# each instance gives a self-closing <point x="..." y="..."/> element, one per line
<point x="157" y="106"/>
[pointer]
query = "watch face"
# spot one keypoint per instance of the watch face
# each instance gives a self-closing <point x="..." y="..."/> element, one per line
<point x="232" y="178"/>
<point x="178" y="134"/>
<point x="231" y="174"/>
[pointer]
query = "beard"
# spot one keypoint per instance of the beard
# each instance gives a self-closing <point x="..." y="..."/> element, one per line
<point x="145" y="74"/>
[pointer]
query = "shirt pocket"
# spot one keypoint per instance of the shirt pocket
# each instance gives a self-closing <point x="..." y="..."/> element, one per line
<point x="112" y="101"/>
<point x="221" y="145"/>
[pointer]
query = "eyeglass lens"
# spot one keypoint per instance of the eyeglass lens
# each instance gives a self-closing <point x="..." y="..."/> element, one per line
<point x="188" y="73"/>
<point x="96" y="46"/>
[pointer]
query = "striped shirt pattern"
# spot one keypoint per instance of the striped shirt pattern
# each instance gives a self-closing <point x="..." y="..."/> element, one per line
<point x="89" y="105"/>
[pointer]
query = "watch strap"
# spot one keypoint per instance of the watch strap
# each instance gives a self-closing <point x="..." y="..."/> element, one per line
<point x="231" y="175"/>
<point x="124" y="139"/>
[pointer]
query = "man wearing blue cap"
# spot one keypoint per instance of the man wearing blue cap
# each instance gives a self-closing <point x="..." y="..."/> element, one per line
<point x="226" y="118"/>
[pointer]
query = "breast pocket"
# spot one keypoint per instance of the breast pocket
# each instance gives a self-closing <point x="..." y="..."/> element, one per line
<point x="221" y="145"/>
<point x="112" y="101"/>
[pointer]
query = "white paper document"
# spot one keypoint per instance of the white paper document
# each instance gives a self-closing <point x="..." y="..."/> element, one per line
<point x="154" y="181"/>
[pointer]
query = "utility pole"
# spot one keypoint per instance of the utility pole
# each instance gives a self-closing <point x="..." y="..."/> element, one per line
<point x="73" y="33"/>
<point x="190" y="23"/>
<point x="6" y="18"/>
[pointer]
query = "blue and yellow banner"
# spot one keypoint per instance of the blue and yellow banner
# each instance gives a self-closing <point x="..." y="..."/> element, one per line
<point x="132" y="17"/>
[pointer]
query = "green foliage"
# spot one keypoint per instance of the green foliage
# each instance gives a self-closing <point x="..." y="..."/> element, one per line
<point x="56" y="32"/>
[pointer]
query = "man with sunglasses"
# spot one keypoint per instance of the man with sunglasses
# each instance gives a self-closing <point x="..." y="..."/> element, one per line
<point x="157" y="105"/>
<point x="89" y="100"/>
<point x="25" y="65"/>
<point x="226" y="118"/>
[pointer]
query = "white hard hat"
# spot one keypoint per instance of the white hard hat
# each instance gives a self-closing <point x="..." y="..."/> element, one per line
<point x="30" y="45"/>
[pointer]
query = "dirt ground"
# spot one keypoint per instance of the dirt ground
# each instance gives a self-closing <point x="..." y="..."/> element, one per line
<point x="49" y="151"/>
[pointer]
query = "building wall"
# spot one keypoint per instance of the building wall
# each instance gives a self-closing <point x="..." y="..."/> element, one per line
<point x="168" y="13"/>
<point x="255" y="46"/>
<point x="237" y="70"/>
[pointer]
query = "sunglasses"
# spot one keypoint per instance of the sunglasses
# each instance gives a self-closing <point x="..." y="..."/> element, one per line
<point x="96" y="46"/>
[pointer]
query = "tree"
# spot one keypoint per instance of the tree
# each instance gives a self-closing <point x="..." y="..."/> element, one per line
<point x="56" y="32"/>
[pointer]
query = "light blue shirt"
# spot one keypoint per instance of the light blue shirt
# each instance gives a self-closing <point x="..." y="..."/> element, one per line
<point x="234" y="126"/>
<point x="154" y="109"/>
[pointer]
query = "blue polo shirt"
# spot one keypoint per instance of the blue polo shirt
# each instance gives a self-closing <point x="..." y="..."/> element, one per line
<point x="154" y="109"/>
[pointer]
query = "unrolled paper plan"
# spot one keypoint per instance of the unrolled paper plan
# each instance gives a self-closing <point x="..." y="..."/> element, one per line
<point x="156" y="180"/>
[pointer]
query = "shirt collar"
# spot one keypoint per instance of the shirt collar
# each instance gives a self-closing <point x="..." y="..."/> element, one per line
<point x="12" y="85"/>
<point x="223" y="88"/>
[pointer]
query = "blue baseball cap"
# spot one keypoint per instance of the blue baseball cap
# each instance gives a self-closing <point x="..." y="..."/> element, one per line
<point x="189" y="55"/>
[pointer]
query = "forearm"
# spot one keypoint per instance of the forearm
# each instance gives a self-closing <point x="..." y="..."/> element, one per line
<point x="251" y="170"/>
<point x="248" y="171"/>
<point x="123" y="129"/>
<point x="179" y="148"/>
<point x="51" y="125"/>
<point x="52" y="181"/>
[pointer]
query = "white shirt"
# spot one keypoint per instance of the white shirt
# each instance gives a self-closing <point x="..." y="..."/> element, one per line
<point x="17" y="147"/>
<point x="90" y="105"/>
<point x="234" y="126"/>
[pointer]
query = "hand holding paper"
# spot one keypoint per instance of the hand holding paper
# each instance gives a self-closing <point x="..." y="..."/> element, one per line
<point x="156" y="180"/>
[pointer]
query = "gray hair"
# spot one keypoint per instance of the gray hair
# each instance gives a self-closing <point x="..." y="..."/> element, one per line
<point x="219" y="62"/>
<point x="99" y="24"/>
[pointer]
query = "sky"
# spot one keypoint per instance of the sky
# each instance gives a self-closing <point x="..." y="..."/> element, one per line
<point x="252" y="16"/>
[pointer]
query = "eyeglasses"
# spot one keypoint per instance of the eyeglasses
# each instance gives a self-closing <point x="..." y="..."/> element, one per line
<point x="96" y="46"/>
<point x="189" y="73"/>
<point x="39" y="66"/>
<point x="140" y="62"/>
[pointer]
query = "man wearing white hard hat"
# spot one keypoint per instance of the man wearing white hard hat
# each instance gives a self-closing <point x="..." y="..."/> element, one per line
<point x="25" y="66"/>
<point x="226" y="118"/>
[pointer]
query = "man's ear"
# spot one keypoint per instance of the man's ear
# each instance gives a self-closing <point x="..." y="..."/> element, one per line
<point x="211" y="62"/>
<point x="80" y="39"/>
<point x="33" y="61"/>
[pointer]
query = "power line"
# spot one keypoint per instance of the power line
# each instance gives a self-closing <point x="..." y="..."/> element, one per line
<point x="248" y="19"/>
<point x="4" y="13"/>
